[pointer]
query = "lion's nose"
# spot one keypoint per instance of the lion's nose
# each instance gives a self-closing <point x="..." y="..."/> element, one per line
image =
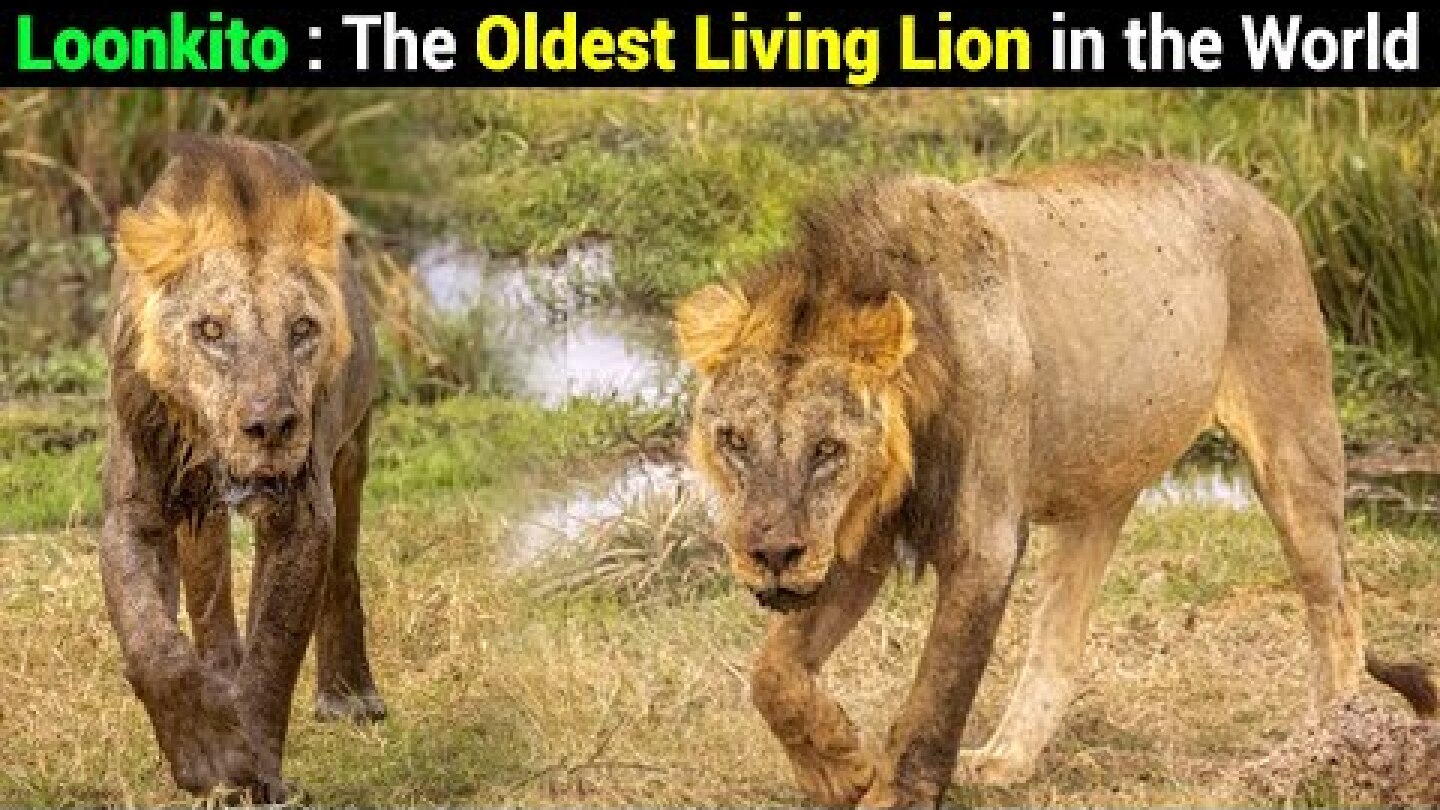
<point x="777" y="557"/>
<point x="271" y="426"/>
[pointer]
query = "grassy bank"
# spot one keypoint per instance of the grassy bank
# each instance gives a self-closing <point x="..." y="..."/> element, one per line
<point x="691" y="185"/>
<point x="479" y="448"/>
<point x="502" y="695"/>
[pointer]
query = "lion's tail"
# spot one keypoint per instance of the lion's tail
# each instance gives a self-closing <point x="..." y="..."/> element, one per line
<point x="1411" y="680"/>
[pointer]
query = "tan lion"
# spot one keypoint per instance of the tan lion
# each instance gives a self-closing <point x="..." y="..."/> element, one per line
<point x="242" y="373"/>
<point x="945" y="365"/>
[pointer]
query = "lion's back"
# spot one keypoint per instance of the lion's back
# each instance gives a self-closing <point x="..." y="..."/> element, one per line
<point x="1135" y="281"/>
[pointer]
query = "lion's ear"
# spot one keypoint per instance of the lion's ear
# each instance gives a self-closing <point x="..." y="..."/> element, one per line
<point x="320" y="222"/>
<point x="156" y="242"/>
<point x="709" y="325"/>
<point x="881" y="336"/>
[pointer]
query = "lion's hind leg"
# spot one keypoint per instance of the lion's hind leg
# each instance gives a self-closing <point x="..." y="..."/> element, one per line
<point x="345" y="689"/>
<point x="1275" y="402"/>
<point x="1070" y="574"/>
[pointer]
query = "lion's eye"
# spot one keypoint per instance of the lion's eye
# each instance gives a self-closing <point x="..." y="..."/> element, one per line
<point x="827" y="450"/>
<point x="731" y="441"/>
<point x="303" y="330"/>
<point x="209" y="330"/>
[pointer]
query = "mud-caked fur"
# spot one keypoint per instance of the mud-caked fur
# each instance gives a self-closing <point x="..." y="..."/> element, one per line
<point x="242" y="374"/>
<point x="944" y="365"/>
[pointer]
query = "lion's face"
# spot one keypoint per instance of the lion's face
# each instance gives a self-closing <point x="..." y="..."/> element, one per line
<point x="241" y="327"/>
<point x="246" y="337"/>
<point x="805" y="447"/>
<point x="794" y="448"/>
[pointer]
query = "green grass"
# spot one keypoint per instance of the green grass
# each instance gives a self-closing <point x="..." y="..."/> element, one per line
<point x="49" y="463"/>
<point x="479" y="449"/>
<point x="46" y="490"/>
<point x="463" y="445"/>
<point x="691" y="185"/>
<point x="1385" y="395"/>
<point x="687" y="184"/>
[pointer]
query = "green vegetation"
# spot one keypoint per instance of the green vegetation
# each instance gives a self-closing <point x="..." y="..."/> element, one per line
<point x="693" y="184"/>
<point x="49" y="463"/>
<point x="70" y="158"/>
<point x="465" y="444"/>
<point x="471" y="448"/>
<point x="687" y="185"/>
<point x="1385" y="395"/>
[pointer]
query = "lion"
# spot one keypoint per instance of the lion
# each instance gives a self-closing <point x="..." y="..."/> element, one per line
<point x="242" y="376"/>
<point x="943" y="366"/>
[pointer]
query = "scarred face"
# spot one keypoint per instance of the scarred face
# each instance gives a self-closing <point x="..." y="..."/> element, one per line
<point x="242" y="332"/>
<point x="804" y="448"/>
<point x="795" y="451"/>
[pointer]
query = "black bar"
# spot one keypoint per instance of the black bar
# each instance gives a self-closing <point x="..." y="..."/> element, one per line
<point x="29" y="35"/>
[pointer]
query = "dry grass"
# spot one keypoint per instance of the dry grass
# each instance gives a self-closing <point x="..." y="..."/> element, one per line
<point x="500" y="695"/>
<point x="658" y="548"/>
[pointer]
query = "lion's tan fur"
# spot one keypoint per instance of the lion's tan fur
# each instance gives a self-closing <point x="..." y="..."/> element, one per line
<point x="1038" y="349"/>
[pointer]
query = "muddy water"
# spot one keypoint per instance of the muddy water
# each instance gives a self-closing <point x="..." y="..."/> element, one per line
<point x="546" y="321"/>
<point x="564" y="517"/>
<point x="545" y="318"/>
<point x="568" y="517"/>
<point x="1199" y="485"/>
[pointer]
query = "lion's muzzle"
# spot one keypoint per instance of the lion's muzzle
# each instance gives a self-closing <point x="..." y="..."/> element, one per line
<point x="776" y="553"/>
<point x="269" y="422"/>
<point x="269" y="442"/>
<point x="776" y="557"/>
<point x="256" y="494"/>
<point x="782" y="600"/>
<point x="779" y="600"/>
<point x="782" y="593"/>
<point x="781" y="569"/>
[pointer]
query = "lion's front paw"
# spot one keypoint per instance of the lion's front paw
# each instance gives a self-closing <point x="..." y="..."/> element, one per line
<point x="834" y="781"/>
<point x="215" y="758"/>
<point x="210" y="751"/>
<point x="891" y="796"/>
<point x="366" y="707"/>
<point x="982" y="766"/>
<point x="889" y="792"/>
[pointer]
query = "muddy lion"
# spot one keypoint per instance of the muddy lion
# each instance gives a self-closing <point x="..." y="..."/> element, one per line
<point x="945" y="365"/>
<point x="242" y="373"/>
